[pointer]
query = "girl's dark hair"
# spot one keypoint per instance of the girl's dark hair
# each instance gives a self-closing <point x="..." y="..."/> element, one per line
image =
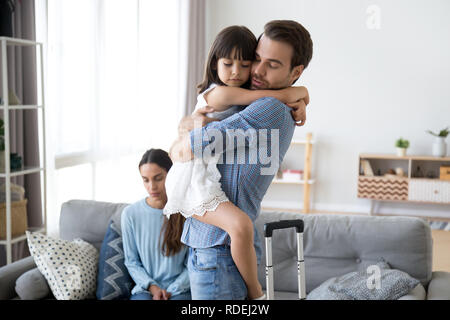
<point x="173" y="227"/>
<point x="238" y="37"/>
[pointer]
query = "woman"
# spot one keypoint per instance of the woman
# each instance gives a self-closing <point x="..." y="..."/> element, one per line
<point x="154" y="255"/>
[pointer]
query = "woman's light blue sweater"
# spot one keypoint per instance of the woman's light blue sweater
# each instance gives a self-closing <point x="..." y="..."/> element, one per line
<point x="144" y="259"/>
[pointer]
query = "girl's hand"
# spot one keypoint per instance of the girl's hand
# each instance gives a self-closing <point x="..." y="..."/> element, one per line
<point x="294" y="94"/>
<point x="298" y="112"/>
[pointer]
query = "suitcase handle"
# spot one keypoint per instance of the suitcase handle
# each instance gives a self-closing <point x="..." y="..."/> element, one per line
<point x="283" y="224"/>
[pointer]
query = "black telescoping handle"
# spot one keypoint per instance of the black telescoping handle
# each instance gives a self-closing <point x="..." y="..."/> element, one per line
<point x="283" y="224"/>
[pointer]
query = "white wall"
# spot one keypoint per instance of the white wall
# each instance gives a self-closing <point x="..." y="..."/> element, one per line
<point x="368" y="87"/>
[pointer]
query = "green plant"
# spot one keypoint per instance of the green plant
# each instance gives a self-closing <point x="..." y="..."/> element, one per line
<point x="402" y="143"/>
<point x="443" y="133"/>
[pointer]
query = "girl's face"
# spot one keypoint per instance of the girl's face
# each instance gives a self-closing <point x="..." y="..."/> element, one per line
<point x="154" y="178"/>
<point x="233" y="72"/>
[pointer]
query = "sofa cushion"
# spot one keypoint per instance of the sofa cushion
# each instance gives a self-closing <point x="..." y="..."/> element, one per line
<point x="32" y="285"/>
<point x="338" y="244"/>
<point x="364" y="285"/>
<point x="87" y="219"/>
<point x="70" y="268"/>
<point x="113" y="280"/>
<point x="418" y="293"/>
<point x="9" y="275"/>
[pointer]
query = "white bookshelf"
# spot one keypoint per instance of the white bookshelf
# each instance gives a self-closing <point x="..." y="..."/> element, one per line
<point x="7" y="173"/>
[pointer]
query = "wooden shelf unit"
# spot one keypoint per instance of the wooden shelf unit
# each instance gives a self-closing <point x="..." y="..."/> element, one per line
<point x="307" y="182"/>
<point x="410" y="188"/>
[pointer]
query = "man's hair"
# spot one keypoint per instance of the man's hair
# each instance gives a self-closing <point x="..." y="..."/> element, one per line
<point x="294" y="34"/>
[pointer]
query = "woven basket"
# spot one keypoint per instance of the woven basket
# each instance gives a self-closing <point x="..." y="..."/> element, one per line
<point x="19" y="222"/>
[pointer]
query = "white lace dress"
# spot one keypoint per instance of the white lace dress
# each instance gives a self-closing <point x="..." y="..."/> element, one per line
<point x="193" y="187"/>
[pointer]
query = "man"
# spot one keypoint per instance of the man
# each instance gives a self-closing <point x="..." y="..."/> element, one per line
<point x="283" y="52"/>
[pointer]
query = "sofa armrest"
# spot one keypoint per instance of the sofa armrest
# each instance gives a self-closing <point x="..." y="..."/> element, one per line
<point x="439" y="286"/>
<point x="9" y="275"/>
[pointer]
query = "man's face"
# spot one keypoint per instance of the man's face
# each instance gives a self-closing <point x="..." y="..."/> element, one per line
<point x="272" y="66"/>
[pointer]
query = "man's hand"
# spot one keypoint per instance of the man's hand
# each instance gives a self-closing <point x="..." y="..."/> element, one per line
<point x="158" y="293"/>
<point x="197" y="119"/>
<point x="180" y="151"/>
<point x="299" y="111"/>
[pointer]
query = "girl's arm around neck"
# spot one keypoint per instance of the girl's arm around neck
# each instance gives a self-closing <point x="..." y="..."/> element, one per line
<point x="223" y="97"/>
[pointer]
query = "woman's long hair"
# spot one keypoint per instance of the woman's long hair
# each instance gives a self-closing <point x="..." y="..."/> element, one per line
<point x="173" y="227"/>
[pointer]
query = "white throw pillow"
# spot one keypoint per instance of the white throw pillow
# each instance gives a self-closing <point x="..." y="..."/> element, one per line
<point x="70" y="267"/>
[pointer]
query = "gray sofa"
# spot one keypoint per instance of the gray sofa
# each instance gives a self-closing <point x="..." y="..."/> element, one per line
<point x="333" y="245"/>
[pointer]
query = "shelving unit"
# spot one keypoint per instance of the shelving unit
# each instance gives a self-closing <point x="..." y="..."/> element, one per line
<point x="306" y="182"/>
<point x="7" y="173"/>
<point x="409" y="188"/>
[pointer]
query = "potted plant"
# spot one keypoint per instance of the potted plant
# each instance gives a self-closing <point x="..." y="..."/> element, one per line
<point x="439" y="145"/>
<point x="401" y="145"/>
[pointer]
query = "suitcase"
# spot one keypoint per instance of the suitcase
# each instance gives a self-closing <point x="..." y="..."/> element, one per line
<point x="268" y="229"/>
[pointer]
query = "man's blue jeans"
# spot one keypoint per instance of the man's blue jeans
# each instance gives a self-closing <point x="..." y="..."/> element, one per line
<point x="145" y="295"/>
<point x="214" y="276"/>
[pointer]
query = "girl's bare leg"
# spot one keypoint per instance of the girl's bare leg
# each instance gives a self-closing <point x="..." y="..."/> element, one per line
<point x="238" y="225"/>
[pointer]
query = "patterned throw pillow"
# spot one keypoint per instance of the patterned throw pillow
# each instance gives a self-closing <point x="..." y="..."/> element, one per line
<point x="391" y="284"/>
<point x="113" y="280"/>
<point x="70" y="268"/>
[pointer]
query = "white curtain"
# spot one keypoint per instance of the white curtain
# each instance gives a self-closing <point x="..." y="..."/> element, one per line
<point x="113" y="90"/>
<point x="192" y="55"/>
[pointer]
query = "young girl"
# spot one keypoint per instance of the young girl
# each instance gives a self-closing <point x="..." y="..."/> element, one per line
<point x="193" y="187"/>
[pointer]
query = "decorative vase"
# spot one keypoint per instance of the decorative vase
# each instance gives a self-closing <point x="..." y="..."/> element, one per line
<point x="439" y="147"/>
<point x="401" y="152"/>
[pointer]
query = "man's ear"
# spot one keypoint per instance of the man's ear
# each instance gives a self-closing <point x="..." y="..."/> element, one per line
<point x="296" y="73"/>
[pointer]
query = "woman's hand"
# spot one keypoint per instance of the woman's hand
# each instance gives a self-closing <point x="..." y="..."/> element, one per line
<point x="158" y="293"/>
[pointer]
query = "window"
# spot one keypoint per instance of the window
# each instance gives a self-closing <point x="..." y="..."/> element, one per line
<point x="111" y="93"/>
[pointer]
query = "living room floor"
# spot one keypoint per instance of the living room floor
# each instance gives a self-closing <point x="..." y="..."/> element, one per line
<point x="441" y="241"/>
